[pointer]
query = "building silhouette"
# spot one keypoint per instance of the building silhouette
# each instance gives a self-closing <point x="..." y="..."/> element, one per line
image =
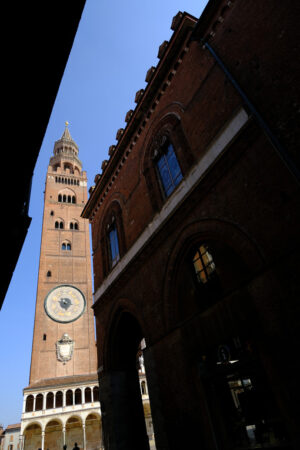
<point x="195" y="235"/>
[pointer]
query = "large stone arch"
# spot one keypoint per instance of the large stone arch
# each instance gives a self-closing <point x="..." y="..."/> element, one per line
<point x="212" y="230"/>
<point x="93" y="431"/>
<point x="120" y="388"/>
<point x="54" y="434"/>
<point x="32" y="435"/>
<point x="74" y="431"/>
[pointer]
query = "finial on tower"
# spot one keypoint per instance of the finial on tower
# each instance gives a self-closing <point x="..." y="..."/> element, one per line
<point x="66" y="123"/>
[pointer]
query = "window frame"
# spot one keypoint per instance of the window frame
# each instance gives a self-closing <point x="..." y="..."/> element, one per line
<point x="163" y="153"/>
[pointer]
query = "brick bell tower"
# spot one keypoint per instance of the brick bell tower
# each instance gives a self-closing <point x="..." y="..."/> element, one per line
<point x="64" y="293"/>
<point x="63" y="374"/>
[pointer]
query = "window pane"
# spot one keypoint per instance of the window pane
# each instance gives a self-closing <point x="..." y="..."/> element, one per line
<point x="114" y="245"/>
<point x="169" y="170"/>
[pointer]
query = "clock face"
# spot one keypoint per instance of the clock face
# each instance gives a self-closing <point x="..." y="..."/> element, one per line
<point x="65" y="303"/>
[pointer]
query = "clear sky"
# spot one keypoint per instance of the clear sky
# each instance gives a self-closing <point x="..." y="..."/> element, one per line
<point x="116" y="43"/>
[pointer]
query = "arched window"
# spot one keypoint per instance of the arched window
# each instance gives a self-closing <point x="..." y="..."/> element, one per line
<point x="29" y="404"/>
<point x="58" y="399"/>
<point x="76" y="226"/>
<point x="113" y="244"/>
<point x="39" y="402"/>
<point x="78" y="397"/>
<point x="59" y="197"/>
<point x="66" y="246"/>
<point x="64" y="198"/>
<point x="69" y="198"/>
<point x="56" y="224"/>
<point x="61" y="225"/>
<point x="88" y="395"/>
<point x="168" y="168"/>
<point x="73" y="199"/>
<point x="96" y="394"/>
<point x="49" y="274"/>
<point x="49" y="400"/>
<point x="69" y="398"/>
<point x="71" y="226"/>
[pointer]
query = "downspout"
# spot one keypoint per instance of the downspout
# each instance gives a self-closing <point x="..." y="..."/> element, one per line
<point x="273" y="139"/>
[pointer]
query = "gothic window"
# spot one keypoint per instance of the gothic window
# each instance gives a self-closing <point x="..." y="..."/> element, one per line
<point x="168" y="168"/>
<point x="59" y="197"/>
<point x="73" y="199"/>
<point x="49" y="274"/>
<point x="113" y="244"/>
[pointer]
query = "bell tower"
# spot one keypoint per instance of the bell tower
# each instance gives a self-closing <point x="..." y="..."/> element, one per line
<point x="62" y="400"/>
<point x="63" y="341"/>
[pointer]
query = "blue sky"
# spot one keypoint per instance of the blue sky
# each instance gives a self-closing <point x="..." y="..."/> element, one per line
<point x="116" y="43"/>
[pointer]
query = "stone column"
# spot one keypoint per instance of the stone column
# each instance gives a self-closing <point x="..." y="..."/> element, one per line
<point x="54" y="400"/>
<point x="64" y="399"/>
<point x="73" y="390"/>
<point x="43" y="439"/>
<point x="44" y="400"/>
<point x="64" y="434"/>
<point x="84" y="438"/>
<point x="34" y="398"/>
<point x="21" y="442"/>
<point x="82" y="395"/>
<point x="24" y="403"/>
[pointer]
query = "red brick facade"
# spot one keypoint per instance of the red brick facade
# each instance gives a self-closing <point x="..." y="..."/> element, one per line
<point x="239" y="198"/>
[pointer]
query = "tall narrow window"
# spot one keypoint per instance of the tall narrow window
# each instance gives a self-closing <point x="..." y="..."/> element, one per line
<point x="113" y="245"/>
<point x="168" y="169"/>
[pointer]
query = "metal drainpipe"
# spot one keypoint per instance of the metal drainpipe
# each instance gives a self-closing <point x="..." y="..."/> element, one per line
<point x="276" y="144"/>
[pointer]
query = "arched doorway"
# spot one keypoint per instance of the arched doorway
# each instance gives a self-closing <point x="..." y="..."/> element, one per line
<point x="93" y="432"/>
<point x="32" y="437"/>
<point x="74" y="432"/>
<point x="120" y="396"/>
<point x="53" y="435"/>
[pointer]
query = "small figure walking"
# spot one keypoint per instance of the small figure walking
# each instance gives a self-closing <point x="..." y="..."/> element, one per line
<point x="76" y="447"/>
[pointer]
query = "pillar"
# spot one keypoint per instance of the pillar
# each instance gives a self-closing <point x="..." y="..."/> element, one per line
<point x="84" y="437"/>
<point x="82" y="395"/>
<point x="34" y="398"/>
<point x="44" y="400"/>
<point x="64" y="434"/>
<point x="24" y="403"/>
<point x="43" y="439"/>
<point x="122" y="411"/>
